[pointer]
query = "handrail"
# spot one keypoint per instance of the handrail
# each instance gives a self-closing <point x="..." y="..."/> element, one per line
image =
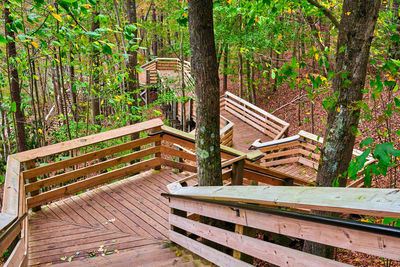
<point x="345" y="223"/>
<point x="374" y="239"/>
<point x="363" y="201"/>
<point x="86" y="141"/>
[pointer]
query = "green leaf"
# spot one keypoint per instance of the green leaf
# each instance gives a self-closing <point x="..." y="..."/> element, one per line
<point x="92" y="34"/>
<point x="397" y="101"/>
<point x="13" y="107"/>
<point x="106" y="49"/>
<point x="2" y="39"/>
<point x="366" y="142"/>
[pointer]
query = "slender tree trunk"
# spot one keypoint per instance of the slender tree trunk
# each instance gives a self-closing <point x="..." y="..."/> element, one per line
<point x="253" y="87"/>
<point x="133" y="85"/>
<point x="205" y="70"/>
<point x="96" y="72"/>
<point x="74" y="106"/>
<point x="357" y="26"/>
<point x="225" y="71"/>
<point x="14" y="81"/>
<point x="154" y="45"/>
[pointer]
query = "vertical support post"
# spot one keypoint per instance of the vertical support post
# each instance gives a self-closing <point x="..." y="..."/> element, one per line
<point x="158" y="143"/>
<point x="147" y="73"/>
<point x="30" y="165"/>
<point x="237" y="172"/>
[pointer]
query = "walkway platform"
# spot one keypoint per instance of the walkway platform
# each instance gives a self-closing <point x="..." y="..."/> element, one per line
<point x="128" y="217"/>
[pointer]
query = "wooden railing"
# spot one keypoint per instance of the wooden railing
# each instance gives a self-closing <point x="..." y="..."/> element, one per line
<point x="304" y="149"/>
<point x="39" y="176"/>
<point x="151" y="74"/>
<point x="246" y="207"/>
<point x="254" y="116"/>
<point x="253" y="173"/>
<point x="226" y="131"/>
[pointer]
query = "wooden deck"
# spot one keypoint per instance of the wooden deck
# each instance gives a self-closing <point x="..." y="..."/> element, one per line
<point x="297" y="170"/>
<point x="128" y="217"/>
<point x="244" y="134"/>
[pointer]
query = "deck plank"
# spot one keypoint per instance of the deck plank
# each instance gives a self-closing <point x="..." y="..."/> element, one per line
<point x="128" y="215"/>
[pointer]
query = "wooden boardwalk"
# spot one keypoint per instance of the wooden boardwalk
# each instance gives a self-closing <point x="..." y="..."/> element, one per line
<point x="244" y="134"/>
<point x="128" y="217"/>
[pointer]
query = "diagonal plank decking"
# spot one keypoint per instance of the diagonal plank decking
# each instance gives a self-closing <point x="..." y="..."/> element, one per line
<point x="126" y="216"/>
<point x="244" y="134"/>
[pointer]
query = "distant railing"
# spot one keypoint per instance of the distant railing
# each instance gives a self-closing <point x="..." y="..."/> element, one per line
<point x="255" y="209"/>
<point x="226" y="131"/>
<point x="150" y="74"/>
<point x="304" y="149"/>
<point x="254" y="116"/>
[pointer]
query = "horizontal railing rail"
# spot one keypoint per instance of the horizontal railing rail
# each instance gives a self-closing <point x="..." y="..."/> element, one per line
<point x="303" y="148"/>
<point x="245" y="206"/>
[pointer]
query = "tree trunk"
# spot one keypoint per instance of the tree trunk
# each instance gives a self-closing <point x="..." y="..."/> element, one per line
<point x="15" y="89"/>
<point x="205" y="71"/>
<point x="154" y="45"/>
<point x="355" y="35"/>
<point x="96" y="72"/>
<point x="225" y="71"/>
<point x="133" y="85"/>
<point x="74" y="107"/>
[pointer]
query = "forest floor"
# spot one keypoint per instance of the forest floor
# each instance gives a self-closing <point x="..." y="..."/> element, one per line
<point x="270" y="100"/>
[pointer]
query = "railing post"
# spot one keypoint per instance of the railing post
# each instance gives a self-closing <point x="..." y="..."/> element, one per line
<point x="30" y="165"/>
<point x="158" y="143"/>
<point x="237" y="172"/>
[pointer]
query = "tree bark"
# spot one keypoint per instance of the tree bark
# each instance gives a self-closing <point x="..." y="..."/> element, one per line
<point x="96" y="72"/>
<point x="154" y="45"/>
<point x="355" y="35"/>
<point x="205" y="70"/>
<point x="225" y="71"/>
<point x="15" y="89"/>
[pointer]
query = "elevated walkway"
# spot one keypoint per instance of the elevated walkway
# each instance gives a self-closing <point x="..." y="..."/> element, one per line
<point x="128" y="217"/>
<point x="100" y="204"/>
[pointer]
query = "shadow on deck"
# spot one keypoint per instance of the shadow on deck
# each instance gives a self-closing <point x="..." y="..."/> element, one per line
<point x="128" y="217"/>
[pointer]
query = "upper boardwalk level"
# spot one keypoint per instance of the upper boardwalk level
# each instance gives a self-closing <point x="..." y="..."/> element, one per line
<point x="106" y="199"/>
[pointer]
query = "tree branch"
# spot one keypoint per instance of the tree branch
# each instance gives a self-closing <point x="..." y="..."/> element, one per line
<point x="328" y="13"/>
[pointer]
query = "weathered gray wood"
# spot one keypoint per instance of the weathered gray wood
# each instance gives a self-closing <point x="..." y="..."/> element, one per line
<point x="366" y="201"/>
<point x="370" y="243"/>
<point x="275" y="254"/>
<point x="6" y="220"/>
<point x="11" y="186"/>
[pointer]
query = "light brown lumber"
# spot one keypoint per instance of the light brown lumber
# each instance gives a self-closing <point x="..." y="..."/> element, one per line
<point x="308" y="163"/>
<point x="178" y="165"/>
<point x="90" y="169"/>
<point x="270" y="116"/>
<point x="18" y="256"/>
<point x="280" y="162"/>
<point x="11" y="187"/>
<point x="261" y="178"/>
<point x="361" y="241"/>
<point x="181" y="154"/>
<point x="6" y="242"/>
<point x="280" y="146"/>
<point x="87" y="140"/>
<point x="208" y="253"/>
<point x="274" y="155"/>
<point x="89" y="156"/>
<point x="92" y="181"/>
<point x="363" y="201"/>
<point x="272" y="253"/>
